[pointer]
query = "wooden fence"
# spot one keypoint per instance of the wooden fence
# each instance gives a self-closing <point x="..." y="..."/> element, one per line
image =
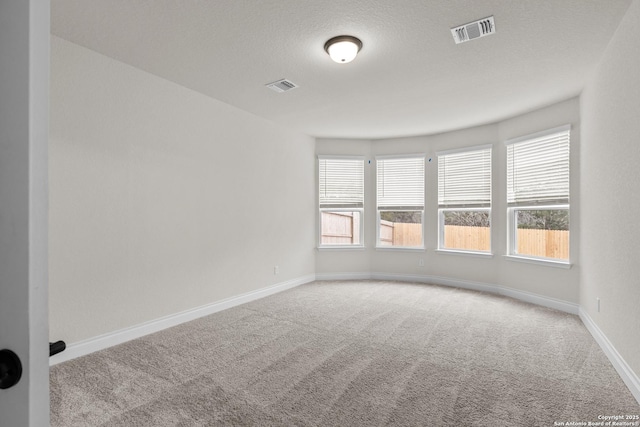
<point x="544" y="243"/>
<point x="539" y="243"/>
<point x="340" y="228"/>
<point x="400" y="234"/>
<point x="344" y="228"/>
<point x="469" y="238"/>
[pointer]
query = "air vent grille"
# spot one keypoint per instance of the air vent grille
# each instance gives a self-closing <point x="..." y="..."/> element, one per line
<point x="473" y="30"/>
<point x="282" y="85"/>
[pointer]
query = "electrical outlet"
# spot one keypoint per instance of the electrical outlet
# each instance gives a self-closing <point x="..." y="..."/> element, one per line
<point x="421" y="262"/>
<point x="598" y="302"/>
<point x="276" y="270"/>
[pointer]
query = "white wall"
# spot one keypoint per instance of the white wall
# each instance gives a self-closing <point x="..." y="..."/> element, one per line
<point x="547" y="281"/>
<point x="163" y="199"/>
<point x="610" y="197"/>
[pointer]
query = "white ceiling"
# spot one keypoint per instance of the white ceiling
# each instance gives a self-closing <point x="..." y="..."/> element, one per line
<point x="410" y="77"/>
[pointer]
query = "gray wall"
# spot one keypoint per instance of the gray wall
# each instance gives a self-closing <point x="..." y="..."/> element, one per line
<point x="610" y="197"/>
<point x="162" y="199"/>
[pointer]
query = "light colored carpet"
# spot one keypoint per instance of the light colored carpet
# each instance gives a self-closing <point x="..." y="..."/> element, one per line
<point x="350" y="353"/>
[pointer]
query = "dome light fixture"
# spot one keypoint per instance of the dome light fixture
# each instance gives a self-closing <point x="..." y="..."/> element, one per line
<point x="343" y="49"/>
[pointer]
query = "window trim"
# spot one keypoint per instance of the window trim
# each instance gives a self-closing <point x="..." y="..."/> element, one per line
<point x="378" y="246"/>
<point x="516" y="205"/>
<point x="547" y="262"/>
<point x="476" y="206"/>
<point x="512" y="235"/>
<point x="464" y="253"/>
<point x="400" y="248"/>
<point x="465" y="149"/>
<point x="358" y="246"/>
<point x="537" y="135"/>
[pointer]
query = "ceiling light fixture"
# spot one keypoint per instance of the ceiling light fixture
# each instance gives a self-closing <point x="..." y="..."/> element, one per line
<point x="343" y="49"/>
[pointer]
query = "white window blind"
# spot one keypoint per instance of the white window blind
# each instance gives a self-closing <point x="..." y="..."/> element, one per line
<point x="464" y="178"/>
<point x="538" y="168"/>
<point x="400" y="183"/>
<point x="341" y="182"/>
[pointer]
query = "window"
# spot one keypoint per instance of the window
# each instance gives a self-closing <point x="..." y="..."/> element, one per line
<point x="538" y="195"/>
<point x="464" y="200"/>
<point x="341" y="200"/>
<point x="400" y="196"/>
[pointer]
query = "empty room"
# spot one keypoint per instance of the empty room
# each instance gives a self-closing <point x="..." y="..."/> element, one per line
<point x="320" y="213"/>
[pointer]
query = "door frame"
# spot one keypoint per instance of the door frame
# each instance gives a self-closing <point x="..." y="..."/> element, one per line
<point x="24" y="129"/>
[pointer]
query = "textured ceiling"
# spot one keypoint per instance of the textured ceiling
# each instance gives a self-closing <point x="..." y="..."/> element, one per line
<point x="410" y="77"/>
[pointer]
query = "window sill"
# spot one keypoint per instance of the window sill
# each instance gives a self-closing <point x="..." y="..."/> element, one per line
<point x="400" y="249"/>
<point x="464" y="253"/>
<point x="341" y="248"/>
<point x="539" y="261"/>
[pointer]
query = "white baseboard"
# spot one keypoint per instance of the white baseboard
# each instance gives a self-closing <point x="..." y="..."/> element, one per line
<point x="557" y="304"/>
<point x="344" y="276"/>
<point x="624" y="370"/>
<point x="544" y="301"/>
<point x="435" y="280"/>
<point x="82" y="348"/>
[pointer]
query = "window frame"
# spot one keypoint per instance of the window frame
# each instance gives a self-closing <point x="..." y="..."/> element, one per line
<point x="512" y="232"/>
<point x="420" y="247"/>
<point x="468" y="207"/>
<point x="360" y="210"/>
<point x="441" y="229"/>
<point x="514" y="207"/>
<point x="336" y="245"/>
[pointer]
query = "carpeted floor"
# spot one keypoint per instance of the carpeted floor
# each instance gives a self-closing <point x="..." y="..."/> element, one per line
<point x="351" y="353"/>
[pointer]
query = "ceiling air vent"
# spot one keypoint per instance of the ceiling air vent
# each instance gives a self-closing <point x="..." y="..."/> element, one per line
<point x="473" y="30"/>
<point x="282" y="85"/>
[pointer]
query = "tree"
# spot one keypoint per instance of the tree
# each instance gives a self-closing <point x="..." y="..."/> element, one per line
<point x="406" y="217"/>
<point x="551" y="219"/>
<point x="467" y="218"/>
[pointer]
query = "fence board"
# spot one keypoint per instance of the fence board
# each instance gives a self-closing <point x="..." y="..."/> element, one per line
<point x="337" y="228"/>
<point x="544" y="243"/>
<point x="407" y="234"/>
<point x="386" y="233"/>
<point x="467" y="238"/>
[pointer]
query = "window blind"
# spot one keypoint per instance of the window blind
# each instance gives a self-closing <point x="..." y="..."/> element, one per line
<point x="400" y="183"/>
<point x="464" y="178"/>
<point x="538" y="168"/>
<point x="341" y="182"/>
